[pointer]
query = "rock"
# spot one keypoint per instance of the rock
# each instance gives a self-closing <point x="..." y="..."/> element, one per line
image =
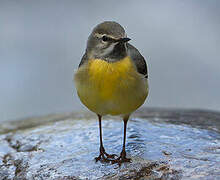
<point x="163" y="144"/>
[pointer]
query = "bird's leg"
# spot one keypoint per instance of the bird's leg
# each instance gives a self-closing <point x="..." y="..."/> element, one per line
<point x="123" y="152"/>
<point x="122" y="157"/>
<point x="102" y="149"/>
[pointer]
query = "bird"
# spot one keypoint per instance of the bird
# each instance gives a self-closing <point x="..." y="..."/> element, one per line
<point x="111" y="79"/>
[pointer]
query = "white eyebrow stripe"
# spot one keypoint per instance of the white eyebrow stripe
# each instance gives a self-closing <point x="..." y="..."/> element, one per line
<point x="100" y="35"/>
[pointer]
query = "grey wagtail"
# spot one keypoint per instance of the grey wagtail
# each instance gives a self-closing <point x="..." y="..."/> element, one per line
<point x="112" y="78"/>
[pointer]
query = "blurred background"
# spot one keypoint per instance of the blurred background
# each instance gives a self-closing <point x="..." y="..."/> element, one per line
<point x="42" y="42"/>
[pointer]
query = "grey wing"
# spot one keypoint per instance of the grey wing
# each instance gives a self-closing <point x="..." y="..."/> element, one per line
<point x="138" y="59"/>
<point x="83" y="60"/>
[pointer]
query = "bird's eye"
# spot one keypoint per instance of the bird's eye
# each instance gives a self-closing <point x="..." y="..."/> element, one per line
<point x="105" y="38"/>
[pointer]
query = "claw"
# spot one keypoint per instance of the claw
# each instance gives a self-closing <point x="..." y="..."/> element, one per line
<point x="103" y="156"/>
<point x="111" y="156"/>
<point x="121" y="159"/>
<point x="98" y="158"/>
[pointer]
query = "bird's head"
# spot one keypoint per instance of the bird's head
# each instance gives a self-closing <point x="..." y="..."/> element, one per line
<point x="107" y="41"/>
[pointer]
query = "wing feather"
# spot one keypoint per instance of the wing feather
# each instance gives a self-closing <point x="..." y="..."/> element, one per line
<point x="138" y="59"/>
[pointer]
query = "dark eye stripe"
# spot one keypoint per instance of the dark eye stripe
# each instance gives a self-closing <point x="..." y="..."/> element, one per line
<point x="106" y="38"/>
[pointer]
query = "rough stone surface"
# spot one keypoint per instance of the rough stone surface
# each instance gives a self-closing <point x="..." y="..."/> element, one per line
<point x="163" y="144"/>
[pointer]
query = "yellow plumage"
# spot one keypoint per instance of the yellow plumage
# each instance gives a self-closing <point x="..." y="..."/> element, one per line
<point x="114" y="88"/>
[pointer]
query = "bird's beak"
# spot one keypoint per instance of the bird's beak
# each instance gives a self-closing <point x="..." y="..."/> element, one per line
<point x="123" y="40"/>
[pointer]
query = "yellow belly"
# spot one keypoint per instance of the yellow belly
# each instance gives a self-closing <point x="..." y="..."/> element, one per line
<point x="111" y="88"/>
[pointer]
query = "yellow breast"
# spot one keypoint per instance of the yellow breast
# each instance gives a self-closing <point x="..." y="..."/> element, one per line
<point x="108" y="77"/>
<point x="110" y="87"/>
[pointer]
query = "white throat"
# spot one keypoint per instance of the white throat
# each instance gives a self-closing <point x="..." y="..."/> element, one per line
<point x="108" y="50"/>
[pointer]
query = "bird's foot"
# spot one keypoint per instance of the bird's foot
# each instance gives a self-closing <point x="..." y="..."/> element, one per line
<point x="121" y="159"/>
<point x="103" y="156"/>
<point x="111" y="156"/>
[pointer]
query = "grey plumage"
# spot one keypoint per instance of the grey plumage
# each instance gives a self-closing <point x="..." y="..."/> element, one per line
<point x="110" y="28"/>
<point x="83" y="60"/>
<point x="138" y="59"/>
